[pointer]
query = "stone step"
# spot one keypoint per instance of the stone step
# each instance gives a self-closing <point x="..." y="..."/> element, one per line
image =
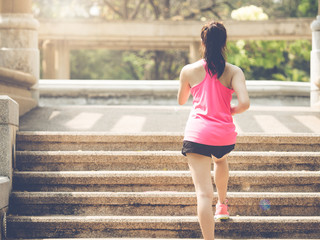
<point x="159" y="227"/>
<point x="126" y="181"/>
<point x="160" y="203"/>
<point x="158" y="160"/>
<point x="93" y="141"/>
<point x="142" y="239"/>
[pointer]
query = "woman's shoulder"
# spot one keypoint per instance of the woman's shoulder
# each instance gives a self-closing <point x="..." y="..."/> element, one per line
<point x="194" y="72"/>
<point x="232" y="68"/>
<point x="193" y="66"/>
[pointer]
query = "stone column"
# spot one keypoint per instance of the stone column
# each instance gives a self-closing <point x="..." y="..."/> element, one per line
<point x="48" y="60"/>
<point x="63" y="57"/>
<point x="195" y="53"/>
<point x="9" y="121"/>
<point x="315" y="61"/>
<point x="19" y="39"/>
<point x="56" y="60"/>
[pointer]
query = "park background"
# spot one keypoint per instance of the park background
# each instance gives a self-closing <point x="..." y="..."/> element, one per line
<point x="101" y="158"/>
<point x="260" y="60"/>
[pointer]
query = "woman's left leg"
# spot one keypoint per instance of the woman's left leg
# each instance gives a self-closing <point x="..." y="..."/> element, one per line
<point x="221" y="177"/>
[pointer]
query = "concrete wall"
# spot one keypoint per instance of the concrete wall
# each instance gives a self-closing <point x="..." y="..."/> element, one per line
<point x="9" y="121"/>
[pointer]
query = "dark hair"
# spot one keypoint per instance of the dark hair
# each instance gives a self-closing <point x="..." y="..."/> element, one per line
<point x="214" y="38"/>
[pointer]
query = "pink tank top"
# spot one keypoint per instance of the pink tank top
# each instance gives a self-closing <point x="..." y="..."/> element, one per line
<point x="210" y="121"/>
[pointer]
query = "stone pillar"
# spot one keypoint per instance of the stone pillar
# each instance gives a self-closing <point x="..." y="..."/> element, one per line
<point x="63" y="59"/>
<point x="315" y="61"/>
<point x="19" y="39"/>
<point x="195" y="53"/>
<point x="9" y="121"/>
<point x="56" y="60"/>
<point x="48" y="60"/>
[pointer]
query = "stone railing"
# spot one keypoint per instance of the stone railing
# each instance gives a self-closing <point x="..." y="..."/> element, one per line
<point x="18" y="85"/>
<point x="9" y="121"/>
<point x="159" y="92"/>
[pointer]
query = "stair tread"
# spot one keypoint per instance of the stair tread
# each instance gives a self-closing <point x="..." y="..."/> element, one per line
<point x="145" y="226"/>
<point x="158" y="160"/>
<point x="162" y="194"/>
<point x="155" y="173"/>
<point x="145" y="239"/>
<point x="155" y="152"/>
<point x="121" y="219"/>
<point x="57" y="135"/>
<point x="70" y="191"/>
<point x="160" y="197"/>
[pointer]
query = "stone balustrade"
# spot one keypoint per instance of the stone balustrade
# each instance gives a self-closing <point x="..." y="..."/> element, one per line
<point x="9" y="121"/>
<point x="19" y="86"/>
<point x="159" y="92"/>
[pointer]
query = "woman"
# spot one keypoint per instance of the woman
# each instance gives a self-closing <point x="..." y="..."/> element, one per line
<point x="210" y="132"/>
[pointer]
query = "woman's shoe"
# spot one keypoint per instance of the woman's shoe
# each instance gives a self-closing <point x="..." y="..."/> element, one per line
<point x="221" y="212"/>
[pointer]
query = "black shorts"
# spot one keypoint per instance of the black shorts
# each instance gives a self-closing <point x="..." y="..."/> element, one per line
<point x="206" y="150"/>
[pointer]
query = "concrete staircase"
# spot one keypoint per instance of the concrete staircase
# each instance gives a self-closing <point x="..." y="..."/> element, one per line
<point x="110" y="186"/>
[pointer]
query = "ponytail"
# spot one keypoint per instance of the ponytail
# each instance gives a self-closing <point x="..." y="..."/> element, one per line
<point x="214" y="37"/>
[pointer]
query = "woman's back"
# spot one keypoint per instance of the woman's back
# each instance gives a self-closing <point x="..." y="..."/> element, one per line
<point x="196" y="73"/>
<point x="210" y="122"/>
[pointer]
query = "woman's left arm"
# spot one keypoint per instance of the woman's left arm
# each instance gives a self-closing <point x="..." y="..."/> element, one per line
<point x="184" y="87"/>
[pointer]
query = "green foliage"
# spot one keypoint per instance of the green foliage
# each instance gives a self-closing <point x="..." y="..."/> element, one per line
<point x="137" y="65"/>
<point x="100" y="64"/>
<point x="308" y="8"/>
<point x="260" y="60"/>
<point x="282" y="8"/>
<point x="278" y="60"/>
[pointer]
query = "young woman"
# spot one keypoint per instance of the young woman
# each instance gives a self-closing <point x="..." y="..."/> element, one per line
<point x="210" y="132"/>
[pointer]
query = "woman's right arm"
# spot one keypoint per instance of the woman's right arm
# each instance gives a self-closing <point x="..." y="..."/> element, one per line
<point x="184" y="87"/>
<point x="239" y="86"/>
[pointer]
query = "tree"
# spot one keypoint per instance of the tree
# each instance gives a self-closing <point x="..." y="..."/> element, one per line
<point x="170" y="9"/>
<point x="282" y="61"/>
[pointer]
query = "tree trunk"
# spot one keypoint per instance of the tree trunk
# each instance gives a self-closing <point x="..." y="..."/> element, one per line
<point x="125" y="10"/>
<point x="155" y="8"/>
<point x="157" y="65"/>
<point x="167" y="8"/>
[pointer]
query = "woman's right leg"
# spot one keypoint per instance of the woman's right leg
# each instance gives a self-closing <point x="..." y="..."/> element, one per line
<point x="200" y="167"/>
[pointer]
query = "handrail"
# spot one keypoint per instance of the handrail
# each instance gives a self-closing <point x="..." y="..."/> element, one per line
<point x="73" y="88"/>
<point x="14" y="77"/>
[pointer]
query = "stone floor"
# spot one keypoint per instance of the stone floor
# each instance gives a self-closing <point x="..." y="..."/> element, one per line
<point x="136" y="119"/>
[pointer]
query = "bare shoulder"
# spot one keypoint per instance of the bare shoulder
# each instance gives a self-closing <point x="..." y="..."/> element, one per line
<point x="236" y="74"/>
<point x="192" y="67"/>
<point x="233" y="69"/>
<point x="193" y="73"/>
